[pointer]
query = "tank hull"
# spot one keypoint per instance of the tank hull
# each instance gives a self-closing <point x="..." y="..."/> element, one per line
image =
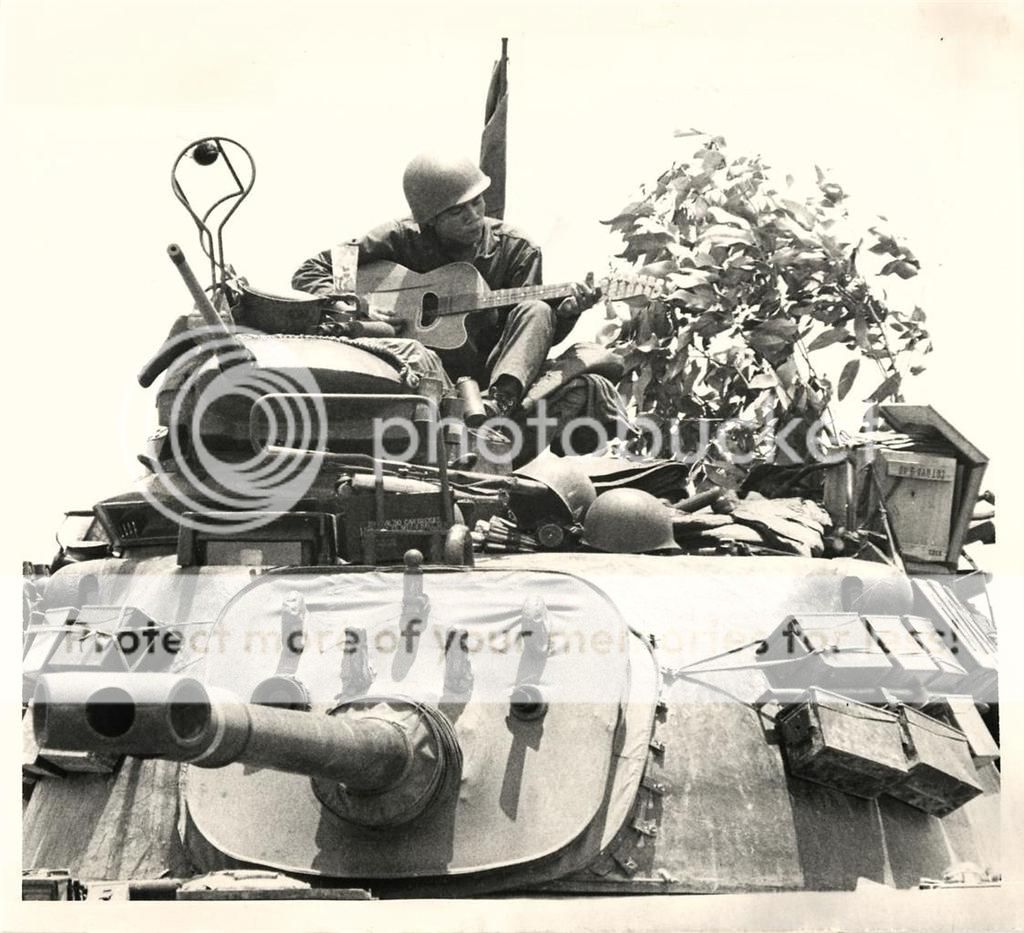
<point x="698" y="799"/>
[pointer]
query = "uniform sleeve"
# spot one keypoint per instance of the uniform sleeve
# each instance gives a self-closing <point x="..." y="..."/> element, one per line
<point x="315" y="275"/>
<point x="526" y="267"/>
<point x="382" y="244"/>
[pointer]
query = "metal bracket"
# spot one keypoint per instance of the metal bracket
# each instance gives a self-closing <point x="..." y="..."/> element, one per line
<point x="627" y="864"/>
<point x="645" y="827"/>
<point x="657" y="788"/>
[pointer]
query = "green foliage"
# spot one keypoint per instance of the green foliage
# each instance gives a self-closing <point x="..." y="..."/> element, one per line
<point x="755" y="282"/>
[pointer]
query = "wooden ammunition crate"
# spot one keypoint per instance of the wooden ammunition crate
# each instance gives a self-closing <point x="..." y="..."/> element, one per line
<point x="912" y="665"/>
<point x="952" y="675"/>
<point x="918" y="493"/>
<point x="927" y="475"/>
<point x="411" y="520"/>
<point x="941" y="776"/>
<point x="961" y="713"/>
<point x="829" y="649"/>
<point x="968" y="637"/>
<point x="840" y="743"/>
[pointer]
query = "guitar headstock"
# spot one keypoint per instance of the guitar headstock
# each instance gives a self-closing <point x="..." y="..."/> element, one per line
<point x="633" y="290"/>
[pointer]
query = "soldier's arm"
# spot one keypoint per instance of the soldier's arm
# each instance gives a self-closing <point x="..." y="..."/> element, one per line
<point x="315" y="275"/>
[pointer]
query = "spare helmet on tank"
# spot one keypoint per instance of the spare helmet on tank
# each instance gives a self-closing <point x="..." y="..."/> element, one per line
<point x="628" y="521"/>
<point x="567" y="480"/>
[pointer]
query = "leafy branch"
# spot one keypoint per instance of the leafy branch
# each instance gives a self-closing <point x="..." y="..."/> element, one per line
<point x="756" y="281"/>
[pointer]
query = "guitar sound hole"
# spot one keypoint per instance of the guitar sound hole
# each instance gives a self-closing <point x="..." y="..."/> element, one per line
<point x="429" y="309"/>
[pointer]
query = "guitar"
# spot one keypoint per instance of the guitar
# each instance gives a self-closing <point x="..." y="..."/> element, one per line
<point x="432" y="307"/>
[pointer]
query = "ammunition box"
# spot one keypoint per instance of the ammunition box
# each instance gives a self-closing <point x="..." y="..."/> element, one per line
<point x="843" y="744"/>
<point x="941" y="776"/>
<point x="44" y="884"/>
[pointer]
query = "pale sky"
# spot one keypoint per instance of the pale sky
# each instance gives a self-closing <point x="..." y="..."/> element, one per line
<point x="914" y="108"/>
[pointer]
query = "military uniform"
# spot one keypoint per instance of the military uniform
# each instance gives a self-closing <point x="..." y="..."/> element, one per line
<point x="513" y="342"/>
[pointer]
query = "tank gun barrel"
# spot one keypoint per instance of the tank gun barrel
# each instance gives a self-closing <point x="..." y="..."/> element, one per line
<point x="178" y="718"/>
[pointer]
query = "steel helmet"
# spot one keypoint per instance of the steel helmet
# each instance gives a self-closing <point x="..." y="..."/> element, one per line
<point x="433" y="183"/>
<point x="566" y="479"/>
<point x="628" y="521"/>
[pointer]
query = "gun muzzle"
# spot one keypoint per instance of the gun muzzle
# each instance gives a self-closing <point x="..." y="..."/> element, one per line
<point x="174" y="717"/>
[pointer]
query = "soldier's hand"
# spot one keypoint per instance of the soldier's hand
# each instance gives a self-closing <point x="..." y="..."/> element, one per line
<point x="584" y="296"/>
<point x="351" y="304"/>
<point x="387" y="315"/>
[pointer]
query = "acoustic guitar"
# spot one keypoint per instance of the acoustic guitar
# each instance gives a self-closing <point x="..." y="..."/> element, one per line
<point x="432" y="307"/>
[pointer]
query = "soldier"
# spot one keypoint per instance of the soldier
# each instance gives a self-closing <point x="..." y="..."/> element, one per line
<point x="506" y="349"/>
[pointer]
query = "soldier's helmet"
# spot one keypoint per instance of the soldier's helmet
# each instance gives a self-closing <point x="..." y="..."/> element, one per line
<point x="628" y="521"/>
<point x="433" y="183"/>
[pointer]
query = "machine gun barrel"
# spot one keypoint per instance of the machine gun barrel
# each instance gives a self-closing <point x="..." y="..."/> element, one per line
<point x="230" y="350"/>
<point x="178" y="718"/>
<point x="203" y="304"/>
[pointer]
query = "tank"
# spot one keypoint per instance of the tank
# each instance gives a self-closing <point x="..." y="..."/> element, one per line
<point x="369" y="677"/>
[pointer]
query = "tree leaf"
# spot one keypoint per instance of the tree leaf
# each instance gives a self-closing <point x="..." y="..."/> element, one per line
<point x="644" y="244"/>
<point x="889" y="387"/>
<point x="778" y="327"/>
<point x="768" y="344"/>
<point x="691" y="278"/>
<point x="699" y="208"/>
<point x="711" y="160"/>
<point x="723" y="235"/>
<point x="800" y="212"/>
<point x="660" y="269"/>
<point x="630" y="213"/>
<point x="723" y="216"/>
<point x="643" y="380"/>
<point x="763" y="381"/>
<point x="828" y="337"/>
<point x="846" y="378"/>
<point x="860" y="331"/>
<point x="901" y="268"/>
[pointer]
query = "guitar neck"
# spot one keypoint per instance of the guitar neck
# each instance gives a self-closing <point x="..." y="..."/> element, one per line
<point x="616" y="290"/>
